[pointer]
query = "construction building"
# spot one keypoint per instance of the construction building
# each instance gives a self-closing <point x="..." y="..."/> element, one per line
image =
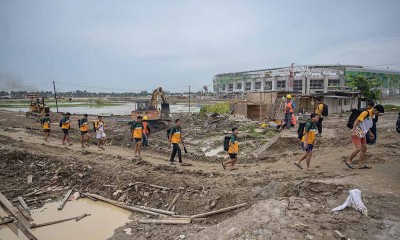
<point x="259" y="94"/>
<point x="306" y="79"/>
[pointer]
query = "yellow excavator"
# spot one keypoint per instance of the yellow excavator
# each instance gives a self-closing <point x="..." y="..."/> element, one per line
<point x="37" y="108"/>
<point x="156" y="111"/>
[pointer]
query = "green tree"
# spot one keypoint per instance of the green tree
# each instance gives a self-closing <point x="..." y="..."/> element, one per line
<point x="369" y="88"/>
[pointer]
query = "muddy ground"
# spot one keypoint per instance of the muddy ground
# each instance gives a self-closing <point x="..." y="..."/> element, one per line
<point x="283" y="202"/>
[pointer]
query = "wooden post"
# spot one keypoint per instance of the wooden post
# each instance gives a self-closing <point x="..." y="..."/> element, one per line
<point x="65" y="199"/>
<point x="22" y="223"/>
<point x="218" y="211"/>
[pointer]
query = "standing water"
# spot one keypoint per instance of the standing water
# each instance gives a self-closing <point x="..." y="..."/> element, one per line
<point x="104" y="219"/>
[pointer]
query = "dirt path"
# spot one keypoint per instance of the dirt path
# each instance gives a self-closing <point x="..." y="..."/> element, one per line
<point x="278" y="193"/>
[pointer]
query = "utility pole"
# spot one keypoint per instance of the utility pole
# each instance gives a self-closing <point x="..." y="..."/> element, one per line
<point x="55" y="95"/>
<point x="189" y="98"/>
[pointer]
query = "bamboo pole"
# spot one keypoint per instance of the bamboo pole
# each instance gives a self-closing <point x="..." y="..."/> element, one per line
<point x="166" y="221"/>
<point x="218" y="211"/>
<point x="118" y="204"/>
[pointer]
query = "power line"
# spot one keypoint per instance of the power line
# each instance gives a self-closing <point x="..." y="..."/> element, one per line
<point x="94" y="87"/>
<point x="31" y="85"/>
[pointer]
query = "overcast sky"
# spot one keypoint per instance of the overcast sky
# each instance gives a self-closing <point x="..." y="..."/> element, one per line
<point x="140" y="45"/>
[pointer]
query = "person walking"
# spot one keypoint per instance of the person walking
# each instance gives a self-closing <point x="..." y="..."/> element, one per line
<point x="318" y="110"/>
<point x="84" y="128"/>
<point x="65" y="124"/>
<point x="45" y="122"/>
<point x="146" y="132"/>
<point x="175" y="138"/>
<point x="233" y="150"/>
<point x="362" y="126"/>
<point x="308" y="140"/>
<point x="136" y="135"/>
<point x="368" y="139"/>
<point x="100" y="132"/>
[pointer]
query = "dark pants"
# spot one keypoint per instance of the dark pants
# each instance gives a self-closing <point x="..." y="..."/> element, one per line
<point x="145" y="141"/>
<point x="373" y="130"/>
<point x="288" y="120"/>
<point x="319" y="125"/>
<point x="176" y="148"/>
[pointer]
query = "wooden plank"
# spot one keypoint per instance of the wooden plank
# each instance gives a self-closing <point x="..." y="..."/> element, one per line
<point x="34" y="225"/>
<point x="14" y="211"/>
<point x="7" y="221"/>
<point x="22" y="223"/>
<point x="11" y="225"/>
<point x="166" y="221"/>
<point x="118" y="204"/>
<point x="23" y="204"/>
<point x="160" y="187"/>
<point x="65" y="199"/>
<point x="25" y="213"/>
<point x="25" y="231"/>
<point x="339" y="235"/>
<point x="166" y="212"/>
<point x="29" y="180"/>
<point x="218" y="211"/>
<point x="91" y="198"/>
<point x="174" y="201"/>
<point x="84" y="215"/>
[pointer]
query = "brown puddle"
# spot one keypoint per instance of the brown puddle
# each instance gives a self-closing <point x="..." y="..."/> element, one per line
<point x="100" y="225"/>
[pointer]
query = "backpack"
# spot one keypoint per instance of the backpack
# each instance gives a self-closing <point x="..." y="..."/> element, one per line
<point x="168" y="131"/>
<point x="300" y="130"/>
<point x="61" y="122"/>
<point x="355" y="113"/>
<point x="226" y="142"/>
<point x="398" y="124"/>
<point x="325" y="110"/>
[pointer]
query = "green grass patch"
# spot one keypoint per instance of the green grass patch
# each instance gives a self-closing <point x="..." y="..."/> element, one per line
<point x="220" y="108"/>
<point x="391" y="107"/>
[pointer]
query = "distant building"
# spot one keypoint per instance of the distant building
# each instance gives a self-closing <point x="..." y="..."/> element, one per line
<point x="306" y="80"/>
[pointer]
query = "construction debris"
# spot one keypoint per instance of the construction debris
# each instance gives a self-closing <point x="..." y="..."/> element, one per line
<point x="65" y="199"/>
<point x="218" y="211"/>
<point x="166" y="221"/>
<point x="34" y="225"/>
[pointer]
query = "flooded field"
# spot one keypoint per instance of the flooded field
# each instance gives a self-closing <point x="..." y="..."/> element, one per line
<point x="100" y="225"/>
<point x="123" y="109"/>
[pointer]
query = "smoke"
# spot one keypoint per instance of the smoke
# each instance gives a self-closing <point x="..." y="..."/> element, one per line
<point x="12" y="82"/>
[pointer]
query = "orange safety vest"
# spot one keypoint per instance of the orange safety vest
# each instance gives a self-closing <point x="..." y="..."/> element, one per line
<point x="145" y="129"/>
<point x="293" y="120"/>
<point x="288" y="105"/>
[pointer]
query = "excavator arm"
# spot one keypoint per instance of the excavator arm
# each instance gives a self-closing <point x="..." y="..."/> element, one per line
<point x="154" y="97"/>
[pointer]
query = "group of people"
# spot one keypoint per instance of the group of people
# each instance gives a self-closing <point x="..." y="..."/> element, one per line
<point x="364" y="128"/>
<point x="362" y="133"/>
<point x="83" y="125"/>
<point x="140" y="130"/>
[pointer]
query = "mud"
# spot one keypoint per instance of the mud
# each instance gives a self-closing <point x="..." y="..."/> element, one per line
<point x="283" y="201"/>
